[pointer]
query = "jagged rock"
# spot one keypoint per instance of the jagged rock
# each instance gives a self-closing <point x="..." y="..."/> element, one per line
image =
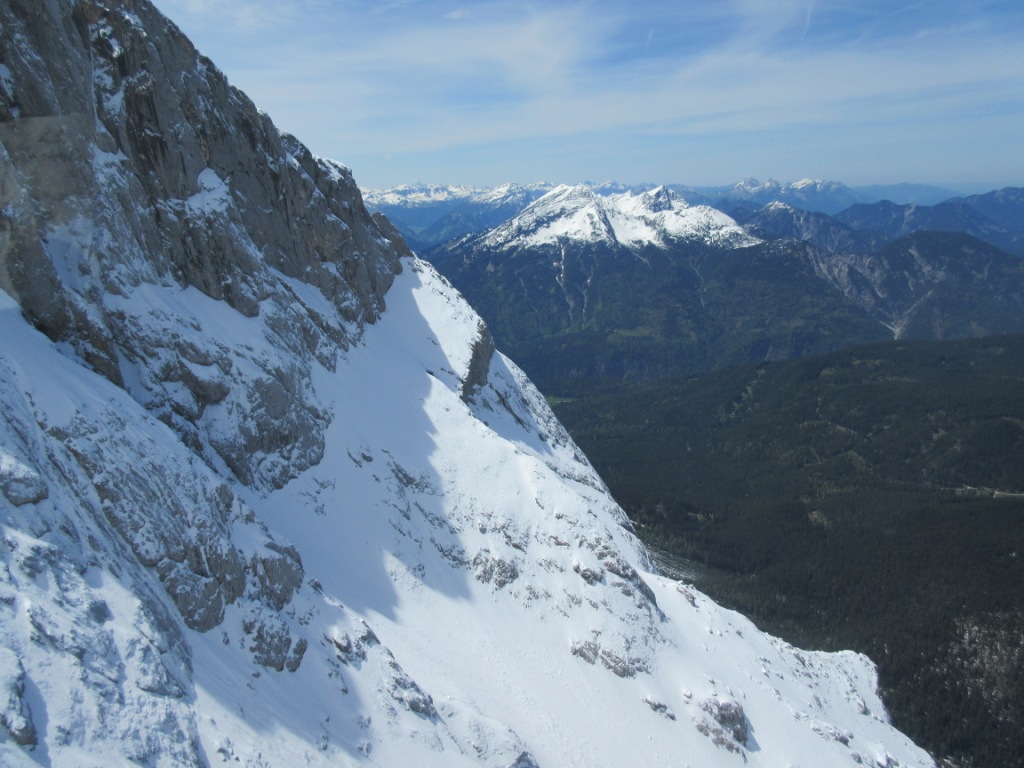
<point x="279" y="576"/>
<point x="152" y="675"/>
<point x="352" y="648"/>
<point x="479" y="362"/>
<point x="588" y="574"/>
<point x="524" y="760"/>
<point x="660" y="707"/>
<point x="94" y="130"/>
<point x="199" y="598"/>
<point x="15" y="714"/>
<point x="271" y="642"/>
<point x="491" y="569"/>
<point x="592" y="652"/>
<point x="729" y="714"/>
<point x="20" y="483"/>
<point x="404" y="690"/>
<point x="587" y="650"/>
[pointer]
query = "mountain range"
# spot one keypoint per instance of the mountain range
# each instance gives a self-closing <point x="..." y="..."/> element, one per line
<point x="430" y="214"/>
<point x="269" y="494"/>
<point x="582" y="287"/>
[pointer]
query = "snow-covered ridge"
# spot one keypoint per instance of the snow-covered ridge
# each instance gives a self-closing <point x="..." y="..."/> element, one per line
<point x="658" y="217"/>
<point x="412" y="195"/>
<point x="269" y="496"/>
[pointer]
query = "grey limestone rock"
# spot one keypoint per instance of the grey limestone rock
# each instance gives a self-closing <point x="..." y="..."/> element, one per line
<point x="524" y="760"/>
<point x="728" y="714"/>
<point x="279" y="574"/>
<point x="480" y="361"/>
<point x="15" y="714"/>
<point x="130" y="160"/>
<point x="494" y="570"/>
<point x="20" y="483"/>
<point x="271" y="642"/>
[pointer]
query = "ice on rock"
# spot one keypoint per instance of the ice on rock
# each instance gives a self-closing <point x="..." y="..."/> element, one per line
<point x="19" y="482"/>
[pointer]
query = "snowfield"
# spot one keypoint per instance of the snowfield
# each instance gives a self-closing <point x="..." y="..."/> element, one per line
<point x="470" y="593"/>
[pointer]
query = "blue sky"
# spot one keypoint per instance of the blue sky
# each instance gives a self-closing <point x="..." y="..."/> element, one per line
<point x="670" y="91"/>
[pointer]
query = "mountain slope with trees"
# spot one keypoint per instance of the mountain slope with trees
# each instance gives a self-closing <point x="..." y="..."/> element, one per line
<point x="872" y="498"/>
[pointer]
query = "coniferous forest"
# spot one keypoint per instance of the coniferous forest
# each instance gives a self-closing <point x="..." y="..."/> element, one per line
<point x="870" y="499"/>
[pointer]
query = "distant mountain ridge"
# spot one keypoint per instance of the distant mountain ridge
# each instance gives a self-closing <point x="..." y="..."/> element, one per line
<point x="582" y="286"/>
<point x="809" y="194"/>
<point x="972" y="216"/>
<point x="778" y="220"/>
<point x="430" y="214"/>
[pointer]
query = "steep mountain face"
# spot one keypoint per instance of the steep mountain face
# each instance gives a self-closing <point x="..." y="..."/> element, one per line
<point x="934" y="285"/>
<point x="268" y="494"/>
<point x="777" y="221"/>
<point x="927" y="285"/>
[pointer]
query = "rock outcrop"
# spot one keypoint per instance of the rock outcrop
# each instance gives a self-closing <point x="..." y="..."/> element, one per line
<point x="127" y="160"/>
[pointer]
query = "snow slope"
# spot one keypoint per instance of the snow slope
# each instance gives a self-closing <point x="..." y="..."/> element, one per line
<point x="470" y="595"/>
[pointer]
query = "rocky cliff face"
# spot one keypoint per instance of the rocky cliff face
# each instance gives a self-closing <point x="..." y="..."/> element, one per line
<point x="129" y="161"/>
<point x="269" y="494"/>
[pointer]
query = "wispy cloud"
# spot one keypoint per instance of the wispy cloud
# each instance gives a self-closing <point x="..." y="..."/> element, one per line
<point x="440" y="78"/>
<point x="238" y="16"/>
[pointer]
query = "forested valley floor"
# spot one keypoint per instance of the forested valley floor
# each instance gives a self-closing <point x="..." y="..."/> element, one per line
<point x="870" y="499"/>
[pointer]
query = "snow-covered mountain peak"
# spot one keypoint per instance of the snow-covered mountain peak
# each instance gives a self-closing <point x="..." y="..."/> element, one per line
<point x="810" y="184"/>
<point x="419" y="194"/>
<point x="651" y="201"/>
<point x="577" y="214"/>
<point x="573" y="212"/>
<point x="753" y="186"/>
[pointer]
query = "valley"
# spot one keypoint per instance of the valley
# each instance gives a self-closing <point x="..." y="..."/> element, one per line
<point x="849" y="501"/>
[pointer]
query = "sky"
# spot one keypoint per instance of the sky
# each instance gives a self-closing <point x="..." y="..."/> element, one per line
<point x="699" y="92"/>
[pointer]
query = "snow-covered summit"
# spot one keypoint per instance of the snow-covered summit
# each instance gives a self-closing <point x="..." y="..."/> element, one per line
<point x="417" y="195"/>
<point x="269" y="496"/>
<point x="807" y="194"/>
<point x="421" y="194"/>
<point x="657" y="217"/>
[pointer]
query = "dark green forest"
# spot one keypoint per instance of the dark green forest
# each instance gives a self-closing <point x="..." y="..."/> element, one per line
<point x="870" y="499"/>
